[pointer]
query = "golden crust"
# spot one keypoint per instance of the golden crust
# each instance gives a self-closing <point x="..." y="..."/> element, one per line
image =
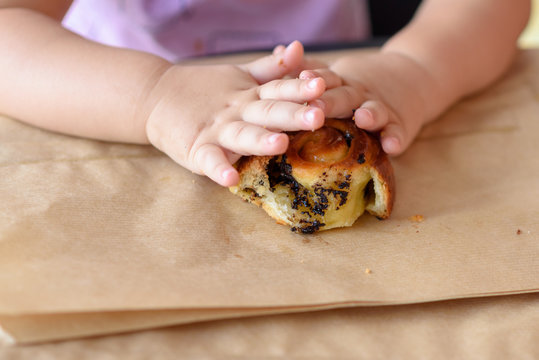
<point x="326" y="179"/>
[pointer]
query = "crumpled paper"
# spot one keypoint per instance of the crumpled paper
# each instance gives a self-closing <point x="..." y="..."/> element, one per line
<point x="98" y="238"/>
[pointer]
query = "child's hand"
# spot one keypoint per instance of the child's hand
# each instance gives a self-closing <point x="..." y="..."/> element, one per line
<point x="206" y="117"/>
<point x="364" y="88"/>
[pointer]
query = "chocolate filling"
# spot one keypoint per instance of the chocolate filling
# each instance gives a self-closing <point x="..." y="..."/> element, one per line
<point x="311" y="203"/>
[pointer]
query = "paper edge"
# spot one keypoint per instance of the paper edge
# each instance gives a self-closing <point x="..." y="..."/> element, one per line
<point x="5" y="337"/>
<point x="228" y="314"/>
<point x="314" y="306"/>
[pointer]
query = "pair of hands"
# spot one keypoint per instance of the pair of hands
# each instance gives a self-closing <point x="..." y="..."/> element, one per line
<point x="206" y="117"/>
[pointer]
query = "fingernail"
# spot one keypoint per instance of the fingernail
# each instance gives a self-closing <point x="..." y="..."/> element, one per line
<point x="294" y="42"/>
<point x="365" y="117"/>
<point x="272" y="139"/>
<point x="279" y="49"/>
<point x="226" y="173"/>
<point x="310" y="117"/>
<point x="306" y="75"/>
<point x="313" y="84"/>
<point x="391" y="144"/>
<point x="369" y="113"/>
<point x="289" y="45"/>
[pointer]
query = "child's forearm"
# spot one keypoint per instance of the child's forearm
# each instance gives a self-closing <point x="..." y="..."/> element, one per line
<point x="56" y="80"/>
<point x="463" y="45"/>
<point x="202" y="117"/>
<point x="451" y="49"/>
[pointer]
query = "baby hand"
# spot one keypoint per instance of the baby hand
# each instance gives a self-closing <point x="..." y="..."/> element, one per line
<point x="379" y="107"/>
<point x="206" y="117"/>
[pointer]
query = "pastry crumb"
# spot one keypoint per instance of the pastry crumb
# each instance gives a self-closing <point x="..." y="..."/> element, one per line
<point x="368" y="271"/>
<point x="417" y="218"/>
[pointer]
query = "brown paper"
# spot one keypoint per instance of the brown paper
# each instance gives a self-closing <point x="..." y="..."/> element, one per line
<point x="89" y="227"/>
<point x="42" y="327"/>
<point x="486" y="328"/>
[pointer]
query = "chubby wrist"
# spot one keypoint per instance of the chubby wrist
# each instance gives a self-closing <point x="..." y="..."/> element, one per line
<point x="401" y="82"/>
<point x="433" y="95"/>
<point x="153" y="93"/>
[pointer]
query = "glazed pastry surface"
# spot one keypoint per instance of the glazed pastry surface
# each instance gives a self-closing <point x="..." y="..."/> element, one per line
<point x="326" y="179"/>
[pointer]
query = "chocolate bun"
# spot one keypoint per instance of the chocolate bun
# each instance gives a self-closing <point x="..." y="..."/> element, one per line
<point x="326" y="179"/>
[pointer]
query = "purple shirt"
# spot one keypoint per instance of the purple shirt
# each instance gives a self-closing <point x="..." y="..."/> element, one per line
<point x="177" y="29"/>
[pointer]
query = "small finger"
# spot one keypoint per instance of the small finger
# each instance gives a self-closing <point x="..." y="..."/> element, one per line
<point x="283" y="115"/>
<point x="332" y="79"/>
<point x="393" y="138"/>
<point x="372" y="115"/>
<point x="247" y="139"/>
<point x="340" y="101"/>
<point x="278" y="49"/>
<point x="295" y="90"/>
<point x="211" y="161"/>
<point x="276" y="65"/>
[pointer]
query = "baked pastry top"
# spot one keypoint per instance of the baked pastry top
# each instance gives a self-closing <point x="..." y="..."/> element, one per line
<point x="326" y="179"/>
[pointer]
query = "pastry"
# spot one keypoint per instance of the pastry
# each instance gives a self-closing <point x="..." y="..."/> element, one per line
<point x="326" y="179"/>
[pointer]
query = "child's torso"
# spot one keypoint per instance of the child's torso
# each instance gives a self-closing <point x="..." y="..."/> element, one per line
<point x="176" y="29"/>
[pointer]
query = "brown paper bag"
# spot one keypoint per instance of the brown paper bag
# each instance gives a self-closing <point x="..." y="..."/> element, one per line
<point x="92" y="228"/>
